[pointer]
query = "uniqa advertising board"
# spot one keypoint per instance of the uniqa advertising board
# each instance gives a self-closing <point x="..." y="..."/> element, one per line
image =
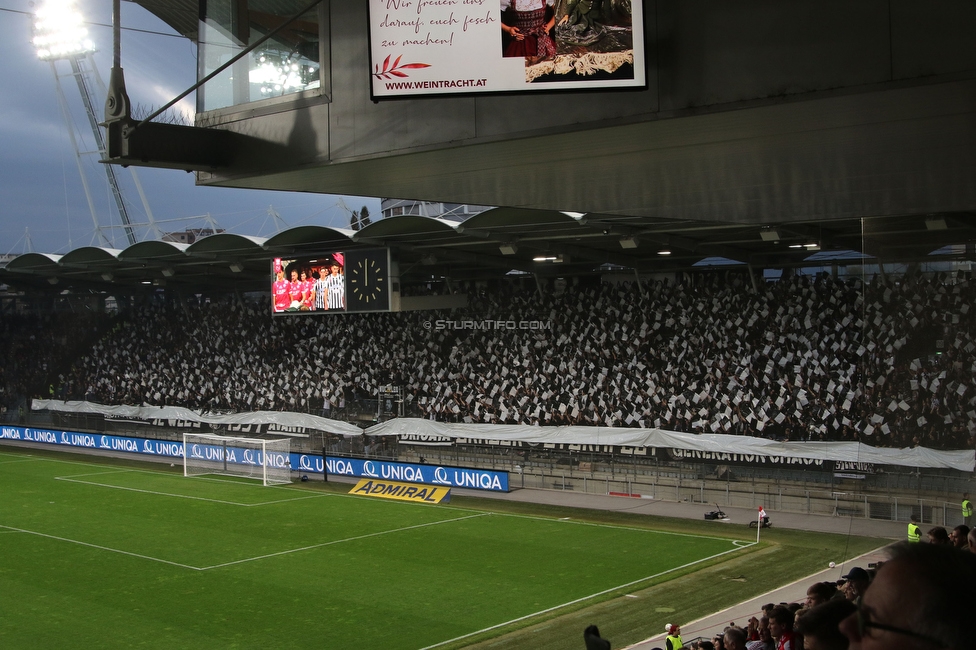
<point x="461" y="477"/>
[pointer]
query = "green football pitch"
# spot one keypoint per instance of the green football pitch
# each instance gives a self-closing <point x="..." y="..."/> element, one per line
<point x="97" y="554"/>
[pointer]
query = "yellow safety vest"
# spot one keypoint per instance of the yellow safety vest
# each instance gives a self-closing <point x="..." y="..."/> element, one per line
<point x="967" y="508"/>
<point x="675" y="642"/>
<point x="914" y="533"/>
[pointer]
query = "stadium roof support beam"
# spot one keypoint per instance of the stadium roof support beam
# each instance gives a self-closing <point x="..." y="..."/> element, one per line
<point x="468" y="257"/>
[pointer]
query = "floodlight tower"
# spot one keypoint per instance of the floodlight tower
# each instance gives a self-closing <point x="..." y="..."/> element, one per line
<point x="59" y="34"/>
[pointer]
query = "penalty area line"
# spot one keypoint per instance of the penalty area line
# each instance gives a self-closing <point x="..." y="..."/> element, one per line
<point x="75" y="476"/>
<point x="580" y="600"/>
<point x="339" y="541"/>
<point x="19" y="460"/>
<point x="70" y="479"/>
<point x="12" y="529"/>
<point x="155" y="492"/>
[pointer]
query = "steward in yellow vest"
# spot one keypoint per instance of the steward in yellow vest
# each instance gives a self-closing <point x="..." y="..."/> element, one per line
<point x="673" y="640"/>
<point x="914" y="532"/>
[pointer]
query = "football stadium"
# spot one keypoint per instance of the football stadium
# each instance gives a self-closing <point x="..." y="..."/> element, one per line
<point x="673" y="347"/>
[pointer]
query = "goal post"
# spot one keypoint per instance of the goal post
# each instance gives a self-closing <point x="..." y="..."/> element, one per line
<point x="266" y="460"/>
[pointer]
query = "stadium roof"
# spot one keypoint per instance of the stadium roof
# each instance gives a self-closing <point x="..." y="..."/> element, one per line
<point x="493" y="243"/>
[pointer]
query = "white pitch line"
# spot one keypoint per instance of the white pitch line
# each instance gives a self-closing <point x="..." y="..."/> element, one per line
<point x="157" y="493"/>
<point x="181" y="496"/>
<point x="19" y="460"/>
<point x="566" y="520"/>
<point x="12" y="529"/>
<point x="109" y="471"/>
<point x="102" y="548"/>
<point x="184" y="496"/>
<point x="340" y="541"/>
<point x="580" y="600"/>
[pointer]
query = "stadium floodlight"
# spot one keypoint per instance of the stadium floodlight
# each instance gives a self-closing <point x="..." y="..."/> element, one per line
<point x="266" y="460"/>
<point x="59" y="31"/>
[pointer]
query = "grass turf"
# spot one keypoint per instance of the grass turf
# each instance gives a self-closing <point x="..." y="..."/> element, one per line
<point x="113" y="554"/>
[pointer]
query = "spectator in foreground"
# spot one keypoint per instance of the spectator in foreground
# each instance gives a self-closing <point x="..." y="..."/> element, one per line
<point x="735" y="638"/>
<point x="752" y="631"/>
<point x="922" y="598"/>
<point x="960" y="537"/>
<point x="819" y="625"/>
<point x="781" y="628"/>
<point x="593" y="640"/>
<point x="765" y="641"/>
<point x="857" y="583"/>
<point x="938" y="535"/>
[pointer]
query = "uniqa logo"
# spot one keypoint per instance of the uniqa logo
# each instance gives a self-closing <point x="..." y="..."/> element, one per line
<point x="402" y="473"/>
<point x="339" y="466"/>
<point x="369" y="469"/>
<point x="306" y="463"/>
<point x="474" y="479"/>
<point x="440" y="476"/>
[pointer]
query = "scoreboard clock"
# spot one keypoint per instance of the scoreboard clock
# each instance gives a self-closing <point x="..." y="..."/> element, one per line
<point x="368" y="280"/>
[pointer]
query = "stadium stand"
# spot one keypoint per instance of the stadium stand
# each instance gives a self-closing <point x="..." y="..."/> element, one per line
<point x="889" y="363"/>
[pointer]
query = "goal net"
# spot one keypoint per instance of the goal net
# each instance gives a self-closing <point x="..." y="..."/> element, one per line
<point x="266" y="460"/>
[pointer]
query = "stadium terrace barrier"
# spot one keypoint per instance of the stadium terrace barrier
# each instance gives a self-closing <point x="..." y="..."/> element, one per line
<point x="882" y="493"/>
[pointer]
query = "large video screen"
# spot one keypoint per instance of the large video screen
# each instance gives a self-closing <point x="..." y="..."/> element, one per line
<point x="437" y="47"/>
<point x="333" y="282"/>
<point x="314" y="284"/>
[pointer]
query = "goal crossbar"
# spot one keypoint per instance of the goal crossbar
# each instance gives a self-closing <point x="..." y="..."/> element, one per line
<point x="266" y="460"/>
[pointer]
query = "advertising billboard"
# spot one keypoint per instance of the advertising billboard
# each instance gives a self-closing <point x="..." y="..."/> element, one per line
<point x="438" y="47"/>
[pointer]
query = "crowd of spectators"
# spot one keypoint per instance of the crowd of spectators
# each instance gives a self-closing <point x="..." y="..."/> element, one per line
<point x="37" y="348"/>
<point x="889" y="362"/>
<point x="920" y="598"/>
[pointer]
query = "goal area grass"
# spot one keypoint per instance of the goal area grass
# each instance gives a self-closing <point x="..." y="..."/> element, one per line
<point x="106" y="553"/>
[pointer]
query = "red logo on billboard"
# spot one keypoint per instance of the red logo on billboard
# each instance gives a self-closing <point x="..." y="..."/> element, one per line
<point x="396" y="70"/>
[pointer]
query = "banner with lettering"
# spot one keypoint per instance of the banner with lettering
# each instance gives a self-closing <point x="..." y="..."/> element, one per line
<point x="401" y="491"/>
<point x="446" y="475"/>
<point x="437" y="47"/>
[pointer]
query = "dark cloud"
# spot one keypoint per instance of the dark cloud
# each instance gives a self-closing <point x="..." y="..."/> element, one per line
<point x="40" y="186"/>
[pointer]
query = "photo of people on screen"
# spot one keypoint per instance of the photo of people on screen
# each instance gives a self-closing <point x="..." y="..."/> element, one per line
<point x="560" y="40"/>
<point x="527" y="29"/>
<point x="309" y="285"/>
